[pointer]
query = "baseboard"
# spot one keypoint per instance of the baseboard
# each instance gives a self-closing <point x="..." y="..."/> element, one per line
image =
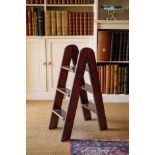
<point x="120" y="98"/>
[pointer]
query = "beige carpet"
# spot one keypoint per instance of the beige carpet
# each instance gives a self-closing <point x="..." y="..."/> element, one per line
<point x="42" y="141"/>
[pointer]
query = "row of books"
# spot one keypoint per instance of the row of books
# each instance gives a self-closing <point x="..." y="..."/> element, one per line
<point x="114" y="79"/>
<point x="60" y="1"/>
<point x="69" y="1"/>
<point x="34" y="1"/>
<point x="69" y="23"/>
<point x="35" y="22"/>
<point x="58" y="23"/>
<point x="113" y="45"/>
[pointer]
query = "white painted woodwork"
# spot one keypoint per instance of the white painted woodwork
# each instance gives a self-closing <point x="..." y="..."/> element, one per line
<point x="35" y="68"/>
<point x="55" y="51"/>
<point x="113" y="24"/>
<point x="42" y="79"/>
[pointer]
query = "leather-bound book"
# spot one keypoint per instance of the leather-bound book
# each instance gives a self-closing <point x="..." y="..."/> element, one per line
<point x="59" y="22"/>
<point x="111" y="79"/>
<point x="64" y="23"/>
<point x="85" y="23"/>
<point x="48" y="23"/>
<point x="81" y="23"/>
<point x="103" y="52"/>
<point x="108" y="79"/>
<point x="41" y="30"/>
<point x="59" y="1"/>
<point x="29" y="21"/>
<point x="70" y="23"/>
<point x="77" y="25"/>
<point x="116" y="79"/>
<point x="53" y="23"/>
<point x="74" y="22"/>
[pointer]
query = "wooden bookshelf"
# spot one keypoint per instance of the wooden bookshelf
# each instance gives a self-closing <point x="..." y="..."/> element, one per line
<point x="112" y="62"/>
<point x="114" y="66"/>
<point x="44" y="53"/>
<point x="34" y="5"/>
<point x="113" y="24"/>
<point x="51" y="48"/>
<point x="70" y="5"/>
<point x="74" y="15"/>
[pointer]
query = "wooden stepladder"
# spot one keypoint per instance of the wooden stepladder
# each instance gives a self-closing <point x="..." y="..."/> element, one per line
<point x="85" y="61"/>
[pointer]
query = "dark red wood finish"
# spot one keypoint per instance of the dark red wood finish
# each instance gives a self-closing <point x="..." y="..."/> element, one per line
<point x="86" y="57"/>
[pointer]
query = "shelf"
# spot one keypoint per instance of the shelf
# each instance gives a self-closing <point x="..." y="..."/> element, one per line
<point x="61" y="37"/>
<point x="34" y="4"/>
<point x="113" y="24"/>
<point x="70" y="37"/>
<point x="70" y="5"/>
<point x="35" y="37"/>
<point x="112" y="62"/>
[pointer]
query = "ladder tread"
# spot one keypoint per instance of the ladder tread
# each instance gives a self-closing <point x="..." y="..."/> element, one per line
<point x="87" y="87"/>
<point x="65" y="91"/>
<point x="69" y="68"/>
<point x="72" y="68"/>
<point x="90" y="106"/>
<point x="60" y="113"/>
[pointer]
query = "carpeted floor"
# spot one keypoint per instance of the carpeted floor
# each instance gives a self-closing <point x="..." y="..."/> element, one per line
<point x="42" y="141"/>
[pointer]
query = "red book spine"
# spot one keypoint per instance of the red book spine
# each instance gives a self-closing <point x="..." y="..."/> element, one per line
<point x="79" y="1"/>
<point x="74" y="22"/>
<point x="77" y="24"/>
<point x="103" y="52"/>
<point x="68" y="2"/>
<point x="59" y="1"/>
<point x="91" y="23"/>
<point x="81" y="23"/>
<point x="70" y="23"/>
<point x="85" y="23"/>
<point x="55" y="2"/>
<point x="104" y="78"/>
<point x="29" y="18"/>
<point x="51" y="1"/>
<point x="31" y="1"/>
<point x="27" y="1"/>
<point x="64" y="2"/>
<point x="72" y="2"/>
<point x="36" y="1"/>
<point x="27" y="31"/>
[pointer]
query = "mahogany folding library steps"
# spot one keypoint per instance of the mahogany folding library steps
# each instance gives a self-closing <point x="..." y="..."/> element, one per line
<point x="83" y="61"/>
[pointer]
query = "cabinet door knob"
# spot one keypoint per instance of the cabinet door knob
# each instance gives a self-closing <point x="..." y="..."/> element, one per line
<point x="44" y="63"/>
<point x="49" y="63"/>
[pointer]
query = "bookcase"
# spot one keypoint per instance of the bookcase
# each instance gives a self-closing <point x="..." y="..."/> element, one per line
<point x="48" y="33"/>
<point x="113" y="50"/>
<point x="50" y="27"/>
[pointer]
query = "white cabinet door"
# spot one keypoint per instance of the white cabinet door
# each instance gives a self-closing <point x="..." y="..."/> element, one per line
<point x="35" y="65"/>
<point x="55" y="50"/>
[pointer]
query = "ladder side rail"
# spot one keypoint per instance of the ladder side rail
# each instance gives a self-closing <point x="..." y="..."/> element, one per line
<point x="70" y="52"/>
<point x="75" y="94"/>
<point x="96" y="88"/>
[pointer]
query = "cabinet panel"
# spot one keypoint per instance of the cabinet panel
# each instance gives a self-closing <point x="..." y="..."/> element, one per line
<point x="55" y="50"/>
<point x="35" y="65"/>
